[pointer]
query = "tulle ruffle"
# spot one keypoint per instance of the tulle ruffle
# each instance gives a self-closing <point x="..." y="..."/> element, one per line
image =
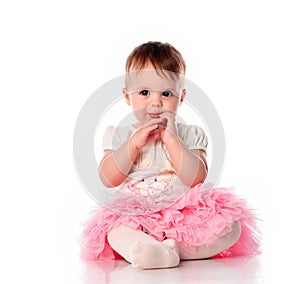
<point x="198" y="218"/>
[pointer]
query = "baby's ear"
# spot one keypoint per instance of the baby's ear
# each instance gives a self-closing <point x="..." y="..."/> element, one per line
<point x="182" y="97"/>
<point x="127" y="96"/>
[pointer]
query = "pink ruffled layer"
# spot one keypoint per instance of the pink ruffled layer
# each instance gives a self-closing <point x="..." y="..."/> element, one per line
<point x="198" y="218"/>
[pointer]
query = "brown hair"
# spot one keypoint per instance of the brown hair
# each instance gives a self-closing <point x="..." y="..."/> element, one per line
<point x="162" y="56"/>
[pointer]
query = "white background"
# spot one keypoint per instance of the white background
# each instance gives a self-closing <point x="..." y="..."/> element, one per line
<point x="54" y="54"/>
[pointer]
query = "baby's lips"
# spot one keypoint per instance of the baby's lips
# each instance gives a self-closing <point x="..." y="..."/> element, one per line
<point x="154" y="115"/>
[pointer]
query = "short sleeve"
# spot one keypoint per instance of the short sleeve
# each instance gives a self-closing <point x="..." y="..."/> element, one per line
<point x="192" y="136"/>
<point x="114" y="137"/>
<point x="108" y="138"/>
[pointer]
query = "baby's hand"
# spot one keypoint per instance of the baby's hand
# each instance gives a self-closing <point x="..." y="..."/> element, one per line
<point x="168" y="128"/>
<point x="147" y="132"/>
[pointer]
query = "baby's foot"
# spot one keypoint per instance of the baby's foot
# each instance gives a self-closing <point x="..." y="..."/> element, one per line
<point x="171" y="244"/>
<point x="148" y="255"/>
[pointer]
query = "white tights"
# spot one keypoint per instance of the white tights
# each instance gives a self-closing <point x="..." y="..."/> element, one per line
<point x="143" y="251"/>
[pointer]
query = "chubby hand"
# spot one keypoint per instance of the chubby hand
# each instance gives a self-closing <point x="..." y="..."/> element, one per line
<point x="148" y="132"/>
<point x="168" y="128"/>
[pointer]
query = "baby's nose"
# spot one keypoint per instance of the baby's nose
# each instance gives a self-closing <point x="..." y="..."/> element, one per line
<point x="156" y="100"/>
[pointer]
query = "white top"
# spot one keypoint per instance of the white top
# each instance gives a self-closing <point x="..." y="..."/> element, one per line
<point x="154" y="159"/>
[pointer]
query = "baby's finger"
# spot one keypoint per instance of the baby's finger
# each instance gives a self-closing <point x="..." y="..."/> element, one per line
<point x="151" y="127"/>
<point x="164" y="123"/>
<point x="168" y="115"/>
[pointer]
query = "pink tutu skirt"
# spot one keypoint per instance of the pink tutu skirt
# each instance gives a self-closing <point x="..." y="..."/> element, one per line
<point x="198" y="218"/>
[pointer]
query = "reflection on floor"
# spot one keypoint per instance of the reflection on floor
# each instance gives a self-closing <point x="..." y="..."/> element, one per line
<point x="237" y="270"/>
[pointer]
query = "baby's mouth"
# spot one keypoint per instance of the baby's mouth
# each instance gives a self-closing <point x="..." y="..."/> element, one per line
<point x="154" y="115"/>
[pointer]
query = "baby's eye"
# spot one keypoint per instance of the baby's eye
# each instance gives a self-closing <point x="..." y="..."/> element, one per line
<point x="167" y="94"/>
<point x="144" y="93"/>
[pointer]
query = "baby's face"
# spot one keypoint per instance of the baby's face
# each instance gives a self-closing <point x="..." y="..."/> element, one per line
<point x="151" y="94"/>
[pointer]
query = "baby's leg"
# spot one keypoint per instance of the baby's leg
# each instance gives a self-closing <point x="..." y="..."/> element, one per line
<point x="220" y="245"/>
<point x="141" y="250"/>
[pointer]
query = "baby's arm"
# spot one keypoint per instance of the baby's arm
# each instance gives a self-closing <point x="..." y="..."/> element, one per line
<point x="190" y="165"/>
<point x="115" y="165"/>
